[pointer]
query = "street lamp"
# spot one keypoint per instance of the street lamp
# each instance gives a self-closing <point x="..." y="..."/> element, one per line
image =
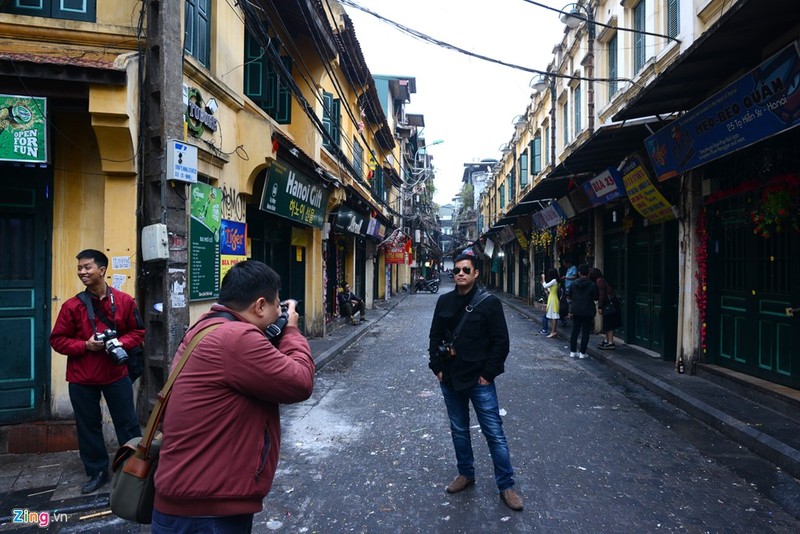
<point x="541" y="83"/>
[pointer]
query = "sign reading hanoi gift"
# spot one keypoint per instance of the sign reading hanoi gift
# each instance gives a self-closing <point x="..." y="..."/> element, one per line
<point x="290" y="194"/>
<point x="23" y="129"/>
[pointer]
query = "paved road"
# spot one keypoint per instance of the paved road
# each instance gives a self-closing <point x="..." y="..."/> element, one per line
<point x="371" y="450"/>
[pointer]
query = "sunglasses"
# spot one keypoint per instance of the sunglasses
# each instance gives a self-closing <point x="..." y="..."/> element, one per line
<point x="466" y="270"/>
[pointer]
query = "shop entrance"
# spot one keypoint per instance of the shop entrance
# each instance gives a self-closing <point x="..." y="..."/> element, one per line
<point x="652" y="288"/>
<point x="752" y="281"/>
<point x="25" y="229"/>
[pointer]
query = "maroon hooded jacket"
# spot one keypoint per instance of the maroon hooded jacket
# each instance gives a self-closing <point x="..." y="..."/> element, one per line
<point x="222" y="424"/>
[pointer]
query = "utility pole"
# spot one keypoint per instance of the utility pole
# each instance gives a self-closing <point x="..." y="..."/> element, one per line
<point x="162" y="283"/>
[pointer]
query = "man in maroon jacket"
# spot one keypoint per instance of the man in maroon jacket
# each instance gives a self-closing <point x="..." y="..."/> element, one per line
<point x="90" y="370"/>
<point x="222" y="423"/>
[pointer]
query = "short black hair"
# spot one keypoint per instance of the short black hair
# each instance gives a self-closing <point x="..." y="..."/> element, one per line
<point x="583" y="269"/>
<point x="100" y="259"/>
<point x="246" y="282"/>
<point x="471" y="257"/>
<point x="344" y="285"/>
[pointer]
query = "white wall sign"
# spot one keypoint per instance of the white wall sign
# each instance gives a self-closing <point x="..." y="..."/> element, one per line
<point x="181" y="162"/>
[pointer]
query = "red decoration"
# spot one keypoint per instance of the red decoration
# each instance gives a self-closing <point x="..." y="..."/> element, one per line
<point x="275" y="144"/>
<point x="701" y="295"/>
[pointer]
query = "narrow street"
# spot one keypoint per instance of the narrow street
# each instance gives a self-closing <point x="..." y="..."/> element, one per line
<point x="371" y="450"/>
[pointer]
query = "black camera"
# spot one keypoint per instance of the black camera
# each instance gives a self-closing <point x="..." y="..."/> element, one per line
<point x="113" y="346"/>
<point x="446" y="349"/>
<point x="274" y="330"/>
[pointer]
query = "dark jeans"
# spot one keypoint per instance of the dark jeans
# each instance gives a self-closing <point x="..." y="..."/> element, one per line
<point x="487" y="409"/>
<point x="582" y="324"/>
<point x="89" y="420"/>
<point x="174" y="524"/>
<point x="349" y="309"/>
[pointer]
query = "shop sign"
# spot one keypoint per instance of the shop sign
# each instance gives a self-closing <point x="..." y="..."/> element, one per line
<point x="523" y="241"/>
<point x="604" y="187"/>
<point x="23" y="129"/>
<point x="643" y="195"/>
<point x="760" y="104"/>
<point x="289" y="193"/>
<point x="551" y="216"/>
<point x="375" y="228"/>
<point x="197" y="118"/>
<point x="204" y="242"/>
<point x="349" y="221"/>
<point x="232" y="245"/>
<point x="396" y="254"/>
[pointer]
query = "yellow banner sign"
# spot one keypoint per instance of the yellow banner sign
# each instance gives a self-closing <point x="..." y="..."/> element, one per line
<point x="643" y="195"/>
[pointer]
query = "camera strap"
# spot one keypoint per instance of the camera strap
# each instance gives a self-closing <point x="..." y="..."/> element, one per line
<point x="479" y="296"/>
<point x="86" y="298"/>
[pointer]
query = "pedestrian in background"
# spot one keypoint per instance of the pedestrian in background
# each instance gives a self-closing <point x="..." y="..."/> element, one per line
<point x="350" y="304"/>
<point x="222" y="427"/>
<point x="550" y="283"/>
<point x="608" y="306"/>
<point x="466" y="360"/>
<point x="582" y="294"/>
<point x="91" y="371"/>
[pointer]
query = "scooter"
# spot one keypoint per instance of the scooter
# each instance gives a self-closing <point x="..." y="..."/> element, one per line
<point x="426" y="285"/>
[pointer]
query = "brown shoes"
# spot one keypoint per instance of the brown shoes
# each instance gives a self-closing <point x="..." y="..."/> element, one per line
<point x="511" y="499"/>
<point x="460" y="483"/>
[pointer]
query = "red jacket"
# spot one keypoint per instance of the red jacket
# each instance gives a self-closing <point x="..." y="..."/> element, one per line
<point x="222" y="424"/>
<point x="73" y="328"/>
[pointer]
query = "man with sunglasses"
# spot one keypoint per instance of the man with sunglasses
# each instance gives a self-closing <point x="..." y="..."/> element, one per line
<point x="466" y="359"/>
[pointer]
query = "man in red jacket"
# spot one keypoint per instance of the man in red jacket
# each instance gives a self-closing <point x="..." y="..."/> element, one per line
<point x="91" y="371"/>
<point x="222" y="423"/>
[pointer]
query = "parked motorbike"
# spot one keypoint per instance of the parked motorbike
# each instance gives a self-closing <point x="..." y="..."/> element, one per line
<point x="426" y="285"/>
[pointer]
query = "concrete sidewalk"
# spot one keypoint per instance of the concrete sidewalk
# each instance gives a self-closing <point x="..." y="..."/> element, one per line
<point x="759" y="415"/>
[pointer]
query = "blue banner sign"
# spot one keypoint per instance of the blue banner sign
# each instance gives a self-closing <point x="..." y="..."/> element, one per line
<point x="760" y="104"/>
<point x="604" y="187"/>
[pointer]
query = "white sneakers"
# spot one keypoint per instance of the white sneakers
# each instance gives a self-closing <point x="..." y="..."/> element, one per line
<point x="573" y="354"/>
<point x="580" y="355"/>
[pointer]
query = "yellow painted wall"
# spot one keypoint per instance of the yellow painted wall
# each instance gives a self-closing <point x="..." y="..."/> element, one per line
<point x="90" y="210"/>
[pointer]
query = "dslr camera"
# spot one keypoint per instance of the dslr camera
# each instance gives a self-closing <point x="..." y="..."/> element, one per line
<point x="446" y="349"/>
<point x="274" y="330"/>
<point x="113" y="346"/>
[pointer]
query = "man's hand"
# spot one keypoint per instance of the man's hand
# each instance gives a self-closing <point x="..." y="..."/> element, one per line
<point x="439" y="376"/>
<point x="93" y="345"/>
<point x="482" y="381"/>
<point x="291" y="310"/>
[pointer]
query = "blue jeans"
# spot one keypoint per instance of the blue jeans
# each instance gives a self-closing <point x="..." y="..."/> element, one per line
<point x="89" y="420"/>
<point x="487" y="409"/>
<point x="174" y="524"/>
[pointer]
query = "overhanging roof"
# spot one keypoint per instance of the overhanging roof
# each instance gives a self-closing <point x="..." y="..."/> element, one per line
<point x="742" y="38"/>
<point x="607" y="146"/>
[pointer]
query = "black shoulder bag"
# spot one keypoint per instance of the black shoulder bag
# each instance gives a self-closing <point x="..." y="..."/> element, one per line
<point x="446" y="348"/>
<point x="135" y="355"/>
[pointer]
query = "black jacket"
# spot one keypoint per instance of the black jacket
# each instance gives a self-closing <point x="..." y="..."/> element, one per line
<point x="482" y="346"/>
<point x="583" y="293"/>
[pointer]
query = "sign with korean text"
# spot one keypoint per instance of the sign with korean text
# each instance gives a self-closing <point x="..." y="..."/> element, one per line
<point x="758" y="105"/>
<point x="23" y="129"/>
<point x="604" y="187"/>
<point x="643" y="195"/>
<point x="289" y="193"/>
<point x="204" y="241"/>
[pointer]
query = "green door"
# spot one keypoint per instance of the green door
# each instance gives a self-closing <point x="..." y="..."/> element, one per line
<point x="24" y="306"/>
<point x="752" y="281"/>
<point x="645" y="272"/>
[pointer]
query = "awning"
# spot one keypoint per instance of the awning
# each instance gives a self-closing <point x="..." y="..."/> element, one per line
<point x="743" y="37"/>
<point x="607" y="146"/>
